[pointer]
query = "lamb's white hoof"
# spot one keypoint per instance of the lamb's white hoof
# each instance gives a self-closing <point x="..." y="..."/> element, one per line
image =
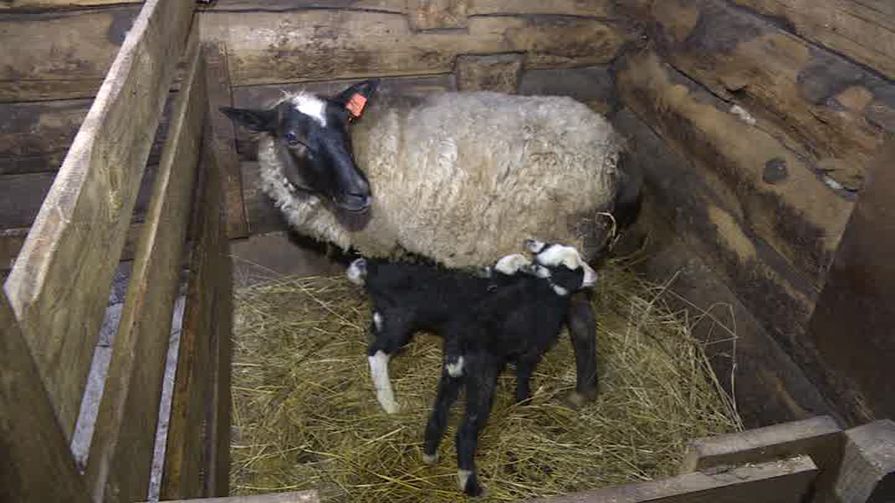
<point x="389" y="406"/>
<point x="430" y="459"/>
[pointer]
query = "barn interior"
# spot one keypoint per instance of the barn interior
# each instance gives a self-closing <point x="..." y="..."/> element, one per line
<point x="763" y="130"/>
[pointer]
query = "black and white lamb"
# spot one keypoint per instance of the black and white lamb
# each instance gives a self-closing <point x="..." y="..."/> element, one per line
<point x="517" y="324"/>
<point x="416" y="296"/>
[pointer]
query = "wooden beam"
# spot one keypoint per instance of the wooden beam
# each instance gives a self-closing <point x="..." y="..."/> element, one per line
<point x="11" y="241"/>
<point x="35" y="462"/>
<point x="785" y="481"/>
<point x="290" y="497"/>
<point x="60" y="55"/>
<point x="868" y="465"/>
<point x="58" y="4"/>
<point x="60" y="283"/>
<point x="121" y="452"/>
<point x="189" y="453"/>
<point x="223" y="137"/>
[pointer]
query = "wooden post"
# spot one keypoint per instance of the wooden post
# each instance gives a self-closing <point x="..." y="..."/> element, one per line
<point x="868" y="465"/>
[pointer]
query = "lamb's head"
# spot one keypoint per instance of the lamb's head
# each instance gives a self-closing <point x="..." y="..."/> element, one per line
<point x="312" y="141"/>
<point x="563" y="265"/>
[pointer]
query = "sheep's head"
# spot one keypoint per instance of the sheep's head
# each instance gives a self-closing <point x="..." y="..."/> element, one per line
<point x="563" y="265"/>
<point x="310" y="134"/>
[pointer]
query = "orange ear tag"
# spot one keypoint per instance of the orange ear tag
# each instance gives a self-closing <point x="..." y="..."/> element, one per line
<point x="356" y="105"/>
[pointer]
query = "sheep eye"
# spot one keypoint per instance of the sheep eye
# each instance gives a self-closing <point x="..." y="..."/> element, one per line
<point x="292" y="139"/>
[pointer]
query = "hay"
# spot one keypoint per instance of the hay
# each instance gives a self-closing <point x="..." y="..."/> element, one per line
<point x="305" y="415"/>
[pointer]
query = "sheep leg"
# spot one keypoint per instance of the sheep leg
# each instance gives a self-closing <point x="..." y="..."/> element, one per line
<point x="524" y="369"/>
<point x="389" y="336"/>
<point x="481" y="380"/>
<point x="583" y="333"/>
<point x="448" y="389"/>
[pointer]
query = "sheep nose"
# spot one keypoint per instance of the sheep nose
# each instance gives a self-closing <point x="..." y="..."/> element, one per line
<point x="354" y="201"/>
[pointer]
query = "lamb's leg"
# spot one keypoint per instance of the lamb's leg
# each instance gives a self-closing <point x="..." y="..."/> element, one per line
<point x="448" y="389"/>
<point x="481" y="380"/>
<point x="389" y="335"/>
<point x="524" y="369"/>
<point x="583" y="333"/>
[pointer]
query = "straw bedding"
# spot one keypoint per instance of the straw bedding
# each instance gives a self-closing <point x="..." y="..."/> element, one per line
<point x="305" y="415"/>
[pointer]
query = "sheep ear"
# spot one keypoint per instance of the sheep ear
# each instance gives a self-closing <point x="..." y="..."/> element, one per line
<point x="259" y="121"/>
<point x="355" y="97"/>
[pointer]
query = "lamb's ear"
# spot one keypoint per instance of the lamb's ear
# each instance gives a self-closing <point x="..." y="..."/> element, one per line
<point x="355" y="97"/>
<point x="259" y="121"/>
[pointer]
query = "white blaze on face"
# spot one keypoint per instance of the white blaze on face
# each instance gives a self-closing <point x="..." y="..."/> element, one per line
<point x="557" y="255"/>
<point x="511" y="264"/>
<point x="311" y="106"/>
<point x="381" y="382"/>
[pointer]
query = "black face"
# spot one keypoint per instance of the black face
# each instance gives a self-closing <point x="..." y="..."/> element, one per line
<point x="313" y="144"/>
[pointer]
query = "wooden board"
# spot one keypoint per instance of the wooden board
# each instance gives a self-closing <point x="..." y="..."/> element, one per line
<point x="60" y="55"/>
<point x="683" y="243"/>
<point x="798" y="216"/>
<point x="121" y="452"/>
<point x="196" y="380"/>
<point x="56" y="4"/>
<point x="37" y="464"/>
<point x="11" y="241"/>
<point x="340" y="44"/>
<point x="578" y="8"/>
<point x="785" y="481"/>
<point x="852" y="323"/>
<point x="223" y="136"/>
<point x="862" y="30"/>
<point x="59" y="285"/>
<point x="816" y="437"/>
<point x="821" y="106"/>
<point x="290" y="497"/>
<point x="868" y="464"/>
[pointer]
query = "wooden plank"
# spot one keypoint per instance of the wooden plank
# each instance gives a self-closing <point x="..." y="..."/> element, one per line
<point x="495" y="72"/>
<point x="350" y="44"/>
<point x="35" y="136"/>
<point x="57" y="4"/>
<point x="868" y="466"/>
<point x="785" y="481"/>
<point x="683" y="242"/>
<point x="579" y="8"/>
<point x="823" y="107"/>
<point x="59" y="285"/>
<point x="37" y="464"/>
<point x="223" y="136"/>
<point x="11" y="241"/>
<point x="122" y="448"/>
<point x="310" y="496"/>
<point x="852" y="322"/>
<point x="817" y="437"/>
<point x="862" y="30"/>
<point x="194" y="376"/>
<point x="60" y="55"/>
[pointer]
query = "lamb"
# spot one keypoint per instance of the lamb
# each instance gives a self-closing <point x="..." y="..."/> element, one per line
<point x="412" y="296"/>
<point x="517" y="324"/>
<point x="458" y="178"/>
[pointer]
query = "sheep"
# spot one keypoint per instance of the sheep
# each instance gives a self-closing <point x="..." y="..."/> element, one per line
<point x="517" y="324"/>
<point x="411" y="296"/>
<point x="458" y="178"/>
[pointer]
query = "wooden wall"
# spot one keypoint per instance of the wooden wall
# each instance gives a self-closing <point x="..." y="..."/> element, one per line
<point x="778" y="109"/>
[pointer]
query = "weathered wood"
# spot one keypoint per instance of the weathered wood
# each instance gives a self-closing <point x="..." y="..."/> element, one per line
<point x="823" y="107"/>
<point x="59" y="285"/>
<point x="11" y="241"/>
<point x="60" y="54"/>
<point x="684" y="243"/>
<point x="785" y="481"/>
<point x="815" y="437"/>
<point x="437" y="14"/>
<point x="36" y="463"/>
<point x="223" y="136"/>
<point x="868" y="465"/>
<point x="862" y="30"/>
<point x="496" y="72"/>
<point x="55" y="4"/>
<point x="797" y="215"/>
<point x="852" y="323"/>
<point x="347" y="44"/>
<point x="34" y="137"/>
<point x="263" y="216"/>
<point x="579" y="8"/>
<point x="291" y="497"/>
<point x="122" y="448"/>
<point x="593" y="85"/>
<point x="195" y="379"/>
